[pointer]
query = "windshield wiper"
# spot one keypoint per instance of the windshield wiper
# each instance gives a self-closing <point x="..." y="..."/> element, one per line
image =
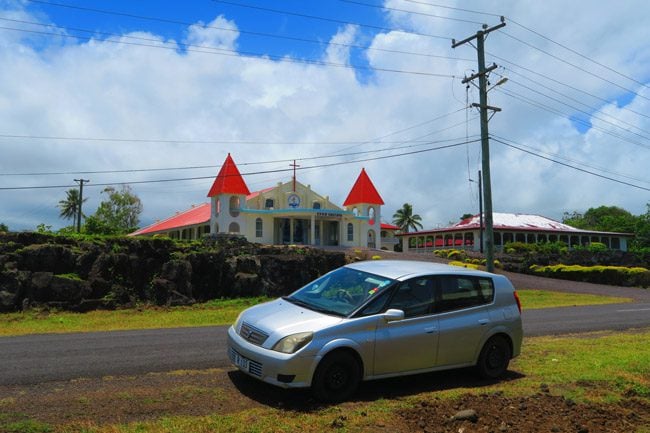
<point x="312" y="307"/>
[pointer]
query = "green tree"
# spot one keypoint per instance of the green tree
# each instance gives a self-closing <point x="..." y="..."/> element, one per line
<point x="3" y="227"/>
<point x="466" y="216"/>
<point x="70" y="206"/>
<point x="406" y="220"/>
<point x="603" y="218"/>
<point x="642" y="230"/>
<point x="119" y="213"/>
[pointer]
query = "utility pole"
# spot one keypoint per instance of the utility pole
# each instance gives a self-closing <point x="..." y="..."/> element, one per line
<point x="480" y="208"/>
<point x="485" y="140"/>
<point x="81" y="200"/>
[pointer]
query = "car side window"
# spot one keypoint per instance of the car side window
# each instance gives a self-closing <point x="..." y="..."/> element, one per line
<point x="415" y="297"/>
<point x="458" y="292"/>
<point x="376" y="305"/>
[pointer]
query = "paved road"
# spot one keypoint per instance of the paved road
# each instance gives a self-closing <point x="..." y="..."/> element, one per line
<point x="40" y="358"/>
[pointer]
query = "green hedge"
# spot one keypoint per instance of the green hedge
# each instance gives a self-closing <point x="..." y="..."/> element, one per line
<point x="613" y="275"/>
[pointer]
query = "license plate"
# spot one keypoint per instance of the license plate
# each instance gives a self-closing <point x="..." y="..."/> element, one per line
<point x="240" y="361"/>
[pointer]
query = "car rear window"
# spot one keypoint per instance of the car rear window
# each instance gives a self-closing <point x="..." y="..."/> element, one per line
<point x="457" y="292"/>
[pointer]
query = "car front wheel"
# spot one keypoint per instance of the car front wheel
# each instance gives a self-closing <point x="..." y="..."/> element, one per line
<point x="337" y="377"/>
<point x="494" y="358"/>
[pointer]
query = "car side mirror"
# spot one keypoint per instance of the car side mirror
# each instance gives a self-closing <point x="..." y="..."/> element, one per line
<point x="393" y="315"/>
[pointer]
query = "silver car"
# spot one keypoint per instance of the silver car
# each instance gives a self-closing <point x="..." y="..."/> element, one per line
<point x="379" y="319"/>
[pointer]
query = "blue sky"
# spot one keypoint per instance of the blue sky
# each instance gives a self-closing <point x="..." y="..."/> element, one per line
<point x="259" y="16"/>
<point x="148" y="108"/>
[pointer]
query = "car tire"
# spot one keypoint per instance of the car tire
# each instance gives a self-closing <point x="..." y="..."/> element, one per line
<point x="336" y="378"/>
<point x="494" y="358"/>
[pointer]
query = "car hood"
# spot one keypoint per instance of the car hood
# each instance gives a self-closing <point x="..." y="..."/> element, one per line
<point x="280" y="318"/>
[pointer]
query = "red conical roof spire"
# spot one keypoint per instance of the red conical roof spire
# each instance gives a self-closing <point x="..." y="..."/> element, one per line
<point x="363" y="191"/>
<point x="229" y="181"/>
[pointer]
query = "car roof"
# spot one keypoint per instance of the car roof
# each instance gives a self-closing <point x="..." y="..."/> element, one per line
<point x="402" y="269"/>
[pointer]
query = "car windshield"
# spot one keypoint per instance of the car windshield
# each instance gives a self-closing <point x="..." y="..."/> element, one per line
<point x="339" y="292"/>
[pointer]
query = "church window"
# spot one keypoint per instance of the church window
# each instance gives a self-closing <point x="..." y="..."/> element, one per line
<point x="350" y="232"/>
<point x="269" y="203"/>
<point x="259" y="228"/>
<point x="316" y="205"/>
<point x="234" y="206"/>
<point x="233" y="228"/>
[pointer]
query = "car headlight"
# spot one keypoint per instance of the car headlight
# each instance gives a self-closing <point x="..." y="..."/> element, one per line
<point x="293" y="343"/>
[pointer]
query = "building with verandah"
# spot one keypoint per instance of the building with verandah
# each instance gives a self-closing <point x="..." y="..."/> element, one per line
<point x="509" y="227"/>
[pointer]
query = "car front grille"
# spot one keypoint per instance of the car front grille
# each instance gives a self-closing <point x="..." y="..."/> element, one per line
<point x="252" y="334"/>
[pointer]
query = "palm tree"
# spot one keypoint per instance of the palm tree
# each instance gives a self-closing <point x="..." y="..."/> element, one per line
<point x="70" y="206"/>
<point x="405" y="220"/>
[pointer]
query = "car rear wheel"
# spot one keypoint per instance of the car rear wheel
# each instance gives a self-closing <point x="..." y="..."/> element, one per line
<point x="494" y="358"/>
<point x="337" y="377"/>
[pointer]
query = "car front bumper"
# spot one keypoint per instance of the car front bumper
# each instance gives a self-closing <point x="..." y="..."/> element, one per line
<point x="279" y="369"/>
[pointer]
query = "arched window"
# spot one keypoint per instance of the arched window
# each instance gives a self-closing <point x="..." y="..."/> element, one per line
<point x="233" y="228"/>
<point x="234" y="206"/>
<point x="371" y="216"/>
<point x="355" y="212"/>
<point x="350" y="232"/>
<point x="371" y="239"/>
<point x="316" y="205"/>
<point x="259" y="232"/>
<point x="269" y="203"/>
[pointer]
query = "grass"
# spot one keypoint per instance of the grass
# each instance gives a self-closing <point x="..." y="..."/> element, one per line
<point x="536" y="299"/>
<point x="601" y="367"/>
<point x="218" y="312"/>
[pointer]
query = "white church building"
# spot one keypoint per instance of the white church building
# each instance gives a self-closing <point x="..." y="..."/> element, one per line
<point x="287" y="213"/>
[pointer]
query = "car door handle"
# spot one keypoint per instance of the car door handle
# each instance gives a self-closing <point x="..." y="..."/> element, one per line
<point x="430" y="329"/>
<point x="484" y="322"/>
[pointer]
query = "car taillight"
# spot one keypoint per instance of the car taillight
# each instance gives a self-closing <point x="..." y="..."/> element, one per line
<point x="518" y="301"/>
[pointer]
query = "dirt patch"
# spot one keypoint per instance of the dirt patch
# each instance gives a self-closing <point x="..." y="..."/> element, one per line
<point x="541" y="412"/>
<point x="111" y="400"/>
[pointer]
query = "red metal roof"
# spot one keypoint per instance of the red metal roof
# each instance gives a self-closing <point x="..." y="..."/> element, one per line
<point x="229" y="180"/>
<point x="385" y="226"/>
<point x="196" y="215"/>
<point x="363" y="191"/>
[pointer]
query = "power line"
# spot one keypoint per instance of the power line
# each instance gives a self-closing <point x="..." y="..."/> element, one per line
<point x="411" y="12"/>
<point x="555" y="111"/>
<point x="453" y="8"/>
<point x="332" y="20"/>
<point x="564" y="95"/>
<point x="199" y="167"/>
<point x="379" y="140"/>
<point x="448" y="146"/>
<point x="574" y="161"/>
<point x="226" y="29"/>
<point x="569" y="165"/>
<point x="578" y="53"/>
<point x="568" y="86"/>
<point x="585" y="112"/>
<point x="573" y="51"/>
<point x="586" y="71"/>
<point x="257" y="56"/>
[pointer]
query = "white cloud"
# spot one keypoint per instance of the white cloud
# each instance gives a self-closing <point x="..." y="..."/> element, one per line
<point x="103" y="89"/>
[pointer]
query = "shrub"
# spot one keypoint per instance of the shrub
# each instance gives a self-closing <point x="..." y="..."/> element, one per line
<point x="463" y="265"/>
<point x="616" y="275"/>
<point x="596" y="247"/>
